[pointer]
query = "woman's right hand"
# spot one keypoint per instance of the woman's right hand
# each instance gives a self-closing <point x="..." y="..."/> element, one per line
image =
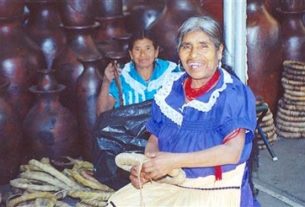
<point x="110" y="72"/>
<point x="137" y="179"/>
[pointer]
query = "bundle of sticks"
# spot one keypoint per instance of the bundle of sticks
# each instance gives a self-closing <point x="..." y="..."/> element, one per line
<point x="42" y="184"/>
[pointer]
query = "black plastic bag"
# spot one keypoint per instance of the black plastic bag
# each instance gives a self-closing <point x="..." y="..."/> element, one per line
<point x="116" y="131"/>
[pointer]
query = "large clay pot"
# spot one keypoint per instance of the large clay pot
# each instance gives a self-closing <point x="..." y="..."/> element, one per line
<point x="77" y="12"/>
<point x="10" y="138"/>
<point x="19" y="58"/>
<point x="123" y="46"/>
<point x="87" y="90"/>
<point x="51" y="130"/>
<point x="110" y="27"/>
<point x="143" y="14"/>
<point x="165" y="28"/>
<point x="293" y="30"/>
<point x="264" y="53"/>
<point x="68" y="68"/>
<point x="109" y="8"/>
<point x="43" y="26"/>
<point x="11" y="8"/>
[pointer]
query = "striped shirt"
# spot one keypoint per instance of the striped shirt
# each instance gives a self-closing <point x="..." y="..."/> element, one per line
<point x="135" y="89"/>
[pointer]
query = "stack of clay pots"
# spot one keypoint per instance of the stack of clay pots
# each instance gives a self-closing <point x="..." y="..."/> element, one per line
<point x="290" y="120"/>
<point x="43" y="27"/>
<point x="110" y="16"/>
<point x="112" y="37"/>
<point x="19" y="57"/>
<point x="82" y="85"/>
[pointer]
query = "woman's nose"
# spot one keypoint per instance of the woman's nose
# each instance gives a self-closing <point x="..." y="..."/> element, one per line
<point x="142" y="52"/>
<point x="194" y="52"/>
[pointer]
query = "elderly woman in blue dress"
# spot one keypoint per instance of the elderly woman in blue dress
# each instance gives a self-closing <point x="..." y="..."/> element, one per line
<point x="202" y="122"/>
<point x="139" y="79"/>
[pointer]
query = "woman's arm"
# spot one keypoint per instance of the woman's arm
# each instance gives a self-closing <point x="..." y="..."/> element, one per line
<point x="106" y="102"/>
<point x="228" y="153"/>
<point x="163" y="162"/>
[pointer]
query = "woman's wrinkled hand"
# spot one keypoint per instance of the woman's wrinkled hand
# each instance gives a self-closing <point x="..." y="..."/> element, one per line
<point x="158" y="166"/>
<point x="137" y="179"/>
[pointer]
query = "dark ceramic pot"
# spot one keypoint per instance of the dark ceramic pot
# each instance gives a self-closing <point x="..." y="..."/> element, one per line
<point x="19" y="58"/>
<point x="122" y="48"/>
<point x="293" y="30"/>
<point x="110" y="27"/>
<point x="80" y="44"/>
<point x="264" y="53"/>
<point x="87" y="90"/>
<point x="143" y="14"/>
<point x="43" y="26"/>
<point x="10" y="138"/>
<point x="123" y="41"/>
<point x="165" y="28"/>
<point x="109" y="8"/>
<point x="51" y="130"/>
<point x="77" y="12"/>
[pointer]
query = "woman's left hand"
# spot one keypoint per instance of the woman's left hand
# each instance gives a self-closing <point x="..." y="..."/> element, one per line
<point x="137" y="179"/>
<point x="159" y="165"/>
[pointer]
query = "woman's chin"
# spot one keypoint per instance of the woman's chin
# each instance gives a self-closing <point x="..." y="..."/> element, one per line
<point x="144" y="66"/>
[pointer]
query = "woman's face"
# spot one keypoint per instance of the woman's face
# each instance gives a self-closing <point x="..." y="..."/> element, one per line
<point x="199" y="56"/>
<point x="143" y="53"/>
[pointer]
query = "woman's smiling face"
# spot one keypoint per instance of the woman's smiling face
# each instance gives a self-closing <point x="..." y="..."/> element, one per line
<point x="199" y="56"/>
<point x="143" y="53"/>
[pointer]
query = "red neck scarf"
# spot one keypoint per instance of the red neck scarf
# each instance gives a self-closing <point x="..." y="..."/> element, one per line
<point x="192" y="93"/>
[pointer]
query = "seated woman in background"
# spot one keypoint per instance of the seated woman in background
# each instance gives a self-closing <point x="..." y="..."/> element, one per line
<point x="139" y="79"/>
<point x="202" y="122"/>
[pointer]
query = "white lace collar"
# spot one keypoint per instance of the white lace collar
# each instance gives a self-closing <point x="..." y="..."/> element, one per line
<point x="157" y="83"/>
<point x="161" y="95"/>
<point x="176" y="116"/>
<point x="138" y="87"/>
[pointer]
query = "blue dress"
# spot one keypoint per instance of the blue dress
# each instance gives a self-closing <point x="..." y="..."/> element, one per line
<point x="204" y="122"/>
<point x="134" y="88"/>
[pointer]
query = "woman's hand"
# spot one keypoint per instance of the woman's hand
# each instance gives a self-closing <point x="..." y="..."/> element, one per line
<point x="137" y="180"/>
<point x="159" y="165"/>
<point x="110" y="71"/>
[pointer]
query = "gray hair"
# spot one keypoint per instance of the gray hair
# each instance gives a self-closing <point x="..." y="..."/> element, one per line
<point x="203" y="23"/>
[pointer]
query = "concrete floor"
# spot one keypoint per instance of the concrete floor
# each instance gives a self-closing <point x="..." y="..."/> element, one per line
<point x="281" y="183"/>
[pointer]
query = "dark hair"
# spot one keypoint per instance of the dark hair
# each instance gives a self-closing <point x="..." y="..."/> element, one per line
<point x="203" y="23"/>
<point x="139" y="36"/>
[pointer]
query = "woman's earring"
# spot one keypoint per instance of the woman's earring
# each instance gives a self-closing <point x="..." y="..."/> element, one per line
<point x="179" y="66"/>
<point x="219" y="64"/>
<point x="132" y="62"/>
